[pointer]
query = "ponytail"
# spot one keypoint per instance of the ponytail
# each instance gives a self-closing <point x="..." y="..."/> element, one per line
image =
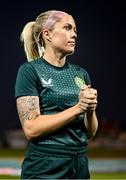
<point x="31" y="35"/>
<point x="30" y="45"/>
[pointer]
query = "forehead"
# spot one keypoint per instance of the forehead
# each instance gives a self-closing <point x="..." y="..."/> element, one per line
<point x="67" y="19"/>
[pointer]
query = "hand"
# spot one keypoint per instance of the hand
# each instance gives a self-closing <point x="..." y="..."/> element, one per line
<point x="87" y="99"/>
<point x="93" y="100"/>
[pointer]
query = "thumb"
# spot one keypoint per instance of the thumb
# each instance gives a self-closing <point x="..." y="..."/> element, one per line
<point x="84" y="87"/>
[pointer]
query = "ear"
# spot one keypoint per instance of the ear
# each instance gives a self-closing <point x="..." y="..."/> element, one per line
<point x="46" y="34"/>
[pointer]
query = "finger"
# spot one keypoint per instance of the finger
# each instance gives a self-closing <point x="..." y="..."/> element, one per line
<point x="91" y="109"/>
<point x="92" y="106"/>
<point x="83" y="106"/>
<point x="89" y="86"/>
<point x="93" y="91"/>
<point x="86" y="101"/>
<point x="94" y="101"/>
<point x="84" y="87"/>
<point x="88" y="95"/>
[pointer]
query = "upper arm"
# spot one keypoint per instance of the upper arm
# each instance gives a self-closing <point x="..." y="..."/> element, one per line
<point x="26" y="81"/>
<point x="27" y="96"/>
<point x="28" y="108"/>
<point x="26" y="93"/>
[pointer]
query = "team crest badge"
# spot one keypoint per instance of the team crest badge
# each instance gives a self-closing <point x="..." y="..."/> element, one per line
<point x="79" y="82"/>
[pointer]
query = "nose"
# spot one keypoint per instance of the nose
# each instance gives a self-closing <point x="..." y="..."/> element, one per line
<point x="74" y="35"/>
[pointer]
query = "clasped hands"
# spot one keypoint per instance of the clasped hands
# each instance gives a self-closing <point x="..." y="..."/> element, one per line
<point x="87" y="99"/>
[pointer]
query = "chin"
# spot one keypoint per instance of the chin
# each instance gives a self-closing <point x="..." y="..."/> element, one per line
<point x="70" y="50"/>
<point x="69" y="53"/>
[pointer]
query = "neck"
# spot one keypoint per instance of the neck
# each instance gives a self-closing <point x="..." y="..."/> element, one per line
<point x="54" y="58"/>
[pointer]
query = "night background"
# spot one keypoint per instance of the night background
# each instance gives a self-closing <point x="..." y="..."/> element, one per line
<point x="100" y="49"/>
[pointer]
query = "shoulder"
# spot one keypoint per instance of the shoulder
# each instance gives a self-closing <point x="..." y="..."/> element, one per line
<point x="78" y="68"/>
<point x="28" y="67"/>
<point x="30" y="64"/>
<point x="27" y="73"/>
<point x="26" y="81"/>
<point x="81" y="72"/>
<point x="25" y="66"/>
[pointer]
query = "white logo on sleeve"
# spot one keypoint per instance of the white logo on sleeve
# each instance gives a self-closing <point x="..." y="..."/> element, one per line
<point x="46" y="83"/>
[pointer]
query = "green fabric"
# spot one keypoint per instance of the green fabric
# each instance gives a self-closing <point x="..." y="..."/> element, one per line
<point x="55" y="162"/>
<point x="58" y="89"/>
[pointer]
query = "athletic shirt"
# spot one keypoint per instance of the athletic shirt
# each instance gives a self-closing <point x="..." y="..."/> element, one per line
<point x="58" y="89"/>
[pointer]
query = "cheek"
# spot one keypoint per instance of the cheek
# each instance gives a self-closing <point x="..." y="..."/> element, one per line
<point x="60" y="39"/>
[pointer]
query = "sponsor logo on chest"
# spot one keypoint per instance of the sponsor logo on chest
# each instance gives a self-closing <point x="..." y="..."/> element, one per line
<point x="47" y="82"/>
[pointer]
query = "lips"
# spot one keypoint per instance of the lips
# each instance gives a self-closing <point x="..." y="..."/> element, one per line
<point x="71" y="43"/>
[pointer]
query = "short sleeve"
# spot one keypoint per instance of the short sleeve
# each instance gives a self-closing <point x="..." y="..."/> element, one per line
<point x="26" y="81"/>
<point x="87" y="78"/>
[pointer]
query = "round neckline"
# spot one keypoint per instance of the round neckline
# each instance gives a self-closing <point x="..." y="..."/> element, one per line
<point x="53" y="66"/>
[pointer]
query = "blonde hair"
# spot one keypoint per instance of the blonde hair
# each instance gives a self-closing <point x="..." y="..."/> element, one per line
<point x="31" y="35"/>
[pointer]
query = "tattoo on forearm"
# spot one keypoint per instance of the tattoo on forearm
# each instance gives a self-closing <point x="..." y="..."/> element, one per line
<point x="28" y="108"/>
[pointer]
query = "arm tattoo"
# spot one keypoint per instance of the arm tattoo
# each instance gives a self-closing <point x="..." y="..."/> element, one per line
<point x="28" y="108"/>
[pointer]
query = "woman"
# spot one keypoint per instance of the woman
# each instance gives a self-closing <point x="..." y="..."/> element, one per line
<point x="55" y="102"/>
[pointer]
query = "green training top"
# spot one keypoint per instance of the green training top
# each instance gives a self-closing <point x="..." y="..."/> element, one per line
<point x="58" y="89"/>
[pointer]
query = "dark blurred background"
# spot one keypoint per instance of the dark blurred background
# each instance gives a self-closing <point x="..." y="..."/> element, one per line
<point x="101" y="50"/>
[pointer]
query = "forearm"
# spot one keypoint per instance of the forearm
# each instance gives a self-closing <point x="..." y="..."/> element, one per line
<point x="46" y="124"/>
<point x="91" y="123"/>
